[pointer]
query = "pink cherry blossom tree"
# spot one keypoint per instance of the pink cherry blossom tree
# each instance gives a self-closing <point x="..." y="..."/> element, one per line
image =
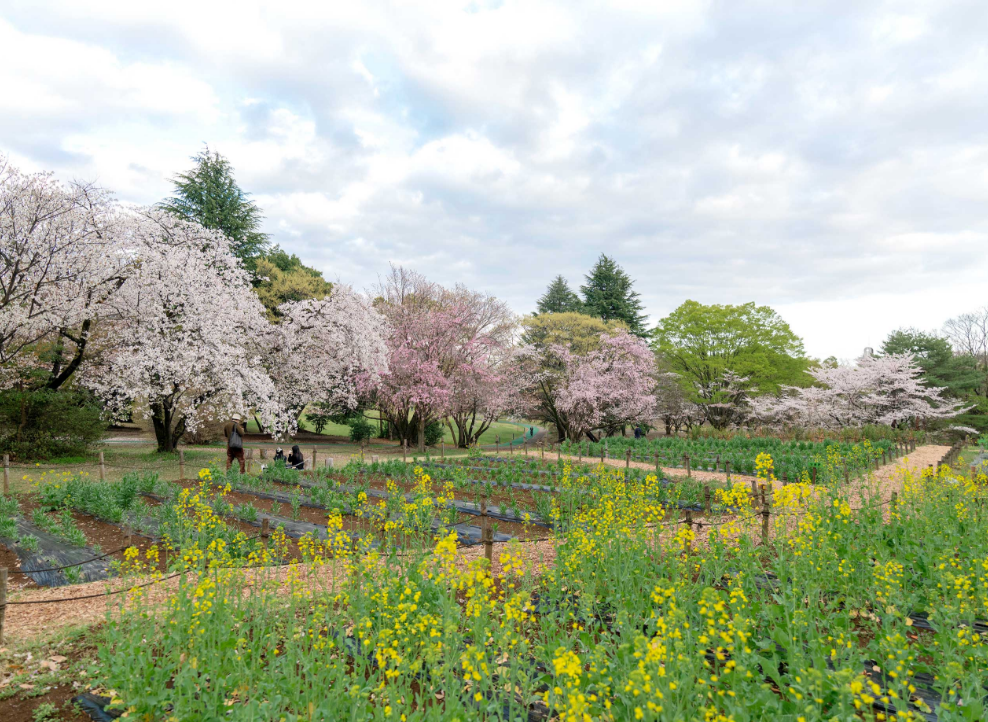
<point x="447" y="350"/>
<point x="884" y="390"/>
<point x="608" y="387"/>
<point x="187" y="331"/>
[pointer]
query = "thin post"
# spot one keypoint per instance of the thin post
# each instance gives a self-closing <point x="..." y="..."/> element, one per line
<point x="313" y="458"/>
<point x="727" y="470"/>
<point x="181" y="464"/>
<point x="706" y="498"/>
<point x="404" y="449"/>
<point x="6" y="474"/>
<point x="102" y="467"/>
<point x="847" y="475"/>
<point x="656" y="461"/>
<point x="754" y="493"/>
<point x="765" y="515"/>
<point x="129" y="536"/>
<point x="579" y="451"/>
<point x="686" y="463"/>
<point x="265" y="526"/>
<point x="485" y="534"/>
<point x="689" y="525"/>
<point x="603" y="453"/>
<point x="813" y="474"/>
<point x="627" y="458"/>
<point x="3" y="599"/>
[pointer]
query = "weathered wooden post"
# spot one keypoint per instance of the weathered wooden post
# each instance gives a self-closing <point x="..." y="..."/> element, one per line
<point x="765" y="515"/>
<point x="265" y="527"/>
<point x="627" y="459"/>
<point x="686" y="463"/>
<point x="727" y="470"/>
<point x="813" y="474"/>
<point x="102" y="467"/>
<point x="6" y="474"/>
<point x="485" y="530"/>
<point x="656" y="462"/>
<point x="706" y="498"/>
<point x="313" y="458"/>
<point x="3" y="599"/>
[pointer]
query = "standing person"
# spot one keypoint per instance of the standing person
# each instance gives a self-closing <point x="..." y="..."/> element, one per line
<point x="234" y="432"/>
<point x="638" y="432"/>
<point x="295" y="459"/>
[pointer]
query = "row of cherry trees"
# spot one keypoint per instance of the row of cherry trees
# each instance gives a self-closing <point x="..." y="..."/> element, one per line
<point x="156" y="314"/>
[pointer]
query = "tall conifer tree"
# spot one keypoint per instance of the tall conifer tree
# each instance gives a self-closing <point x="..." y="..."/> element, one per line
<point x="209" y="195"/>
<point x="608" y="294"/>
<point x="559" y="298"/>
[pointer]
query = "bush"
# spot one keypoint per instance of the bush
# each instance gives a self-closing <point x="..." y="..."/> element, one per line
<point x="434" y="433"/>
<point x="42" y="424"/>
<point x="360" y="428"/>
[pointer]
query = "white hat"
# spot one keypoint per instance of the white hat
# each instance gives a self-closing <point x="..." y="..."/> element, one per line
<point x="236" y="417"/>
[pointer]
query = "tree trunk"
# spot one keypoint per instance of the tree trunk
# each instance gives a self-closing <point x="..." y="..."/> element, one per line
<point x="166" y="431"/>
<point x="668" y="426"/>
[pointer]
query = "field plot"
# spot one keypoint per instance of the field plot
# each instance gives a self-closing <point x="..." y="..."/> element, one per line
<point x="643" y="598"/>
<point x="829" y="461"/>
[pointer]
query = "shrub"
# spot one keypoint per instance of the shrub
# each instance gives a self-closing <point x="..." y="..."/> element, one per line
<point x="360" y="428"/>
<point x="434" y="433"/>
<point x="43" y="424"/>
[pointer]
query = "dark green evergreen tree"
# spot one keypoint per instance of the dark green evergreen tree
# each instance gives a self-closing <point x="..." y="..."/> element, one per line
<point x="608" y="294"/>
<point x="209" y="195"/>
<point x="559" y="298"/>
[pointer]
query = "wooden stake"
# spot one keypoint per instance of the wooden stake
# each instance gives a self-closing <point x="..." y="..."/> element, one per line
<point x="6" y="474"/>
<point x="485" y="530"/>
<point x="3" y="599"/>
<point x="765" y="514"/>
<point x="404" y="449"/>
<point x="102" y="467"/>
<point x="627" y="459"/>
<point x="265" y="526"/>
<point x="181" y="464"/>
<point x="656" y="461"/>
<point x="313" y="458"/>
<point x="813" y="474"/>
<point x="706" y="498"/>
<point x="686" y="463"/>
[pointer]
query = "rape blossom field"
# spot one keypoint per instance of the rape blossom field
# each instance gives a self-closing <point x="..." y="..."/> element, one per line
<point x="853" y="605"/>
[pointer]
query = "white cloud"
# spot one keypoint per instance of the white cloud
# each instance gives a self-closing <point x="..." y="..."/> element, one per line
<point x="826" y="159"/>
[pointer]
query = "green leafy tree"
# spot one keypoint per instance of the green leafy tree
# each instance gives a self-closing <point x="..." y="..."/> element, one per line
<point x="209" y="195"/>
<point x="559" y="298"/>
<point x="713" y="347"/>
<point x="608" y="294"/>
<point x="281" y="278"/>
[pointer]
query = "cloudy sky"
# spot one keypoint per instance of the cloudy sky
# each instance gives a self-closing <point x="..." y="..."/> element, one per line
<point x="829" y="159"/>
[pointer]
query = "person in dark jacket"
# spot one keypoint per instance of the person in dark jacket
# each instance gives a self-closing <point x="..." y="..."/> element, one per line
<point x="295" y="459"/>
<point x="638" y="432"/>
<point x="279" y="455"/>
<point x="234" y="447"/>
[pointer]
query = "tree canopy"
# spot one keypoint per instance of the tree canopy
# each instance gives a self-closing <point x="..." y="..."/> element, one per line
<point x="209" y="195"/>
<point x="608" y="294"/>
<point x="577" y="331"/>
<point x="559" y="298"/>
<point x="720" y="351"/>
<point x="281" y="278"/>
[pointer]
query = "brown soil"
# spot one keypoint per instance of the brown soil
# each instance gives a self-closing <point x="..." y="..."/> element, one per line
<point x="15" y="580"/>
<point x="21" y="709"/>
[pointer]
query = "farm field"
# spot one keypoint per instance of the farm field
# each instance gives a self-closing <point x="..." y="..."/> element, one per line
<point x="642" y="601"/>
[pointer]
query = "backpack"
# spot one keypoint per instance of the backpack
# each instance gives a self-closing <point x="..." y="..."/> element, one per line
<point x="236" y="440"/>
